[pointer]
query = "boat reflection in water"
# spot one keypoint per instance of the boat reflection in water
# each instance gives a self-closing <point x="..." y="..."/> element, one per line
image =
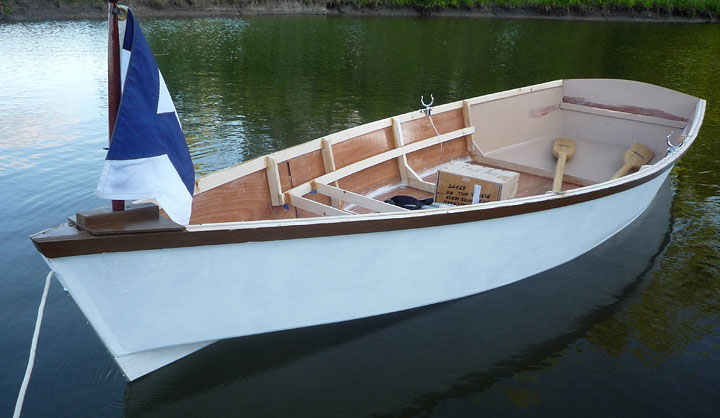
<point x="408" y="362"/>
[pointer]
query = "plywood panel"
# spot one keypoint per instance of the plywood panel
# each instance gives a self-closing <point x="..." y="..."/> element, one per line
<point x="284" y="170"/>
<point x="243" y="199"/>
<point x="619" y="132"/>
<point x="630" y="96"/>
<point x="303" y="169"/>
<point x="420" y="129"/>
<point x="433" y="156"/>
<point x="372" y="178"/>
<point x="504" y="122"/>
<point x="306" y="167"/>
<point x="363" y="147"/>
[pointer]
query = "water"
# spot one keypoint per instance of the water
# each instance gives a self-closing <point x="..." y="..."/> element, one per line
<point x="631" y="329"/>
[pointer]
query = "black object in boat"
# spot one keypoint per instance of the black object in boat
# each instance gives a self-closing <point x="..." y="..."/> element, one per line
<point x="409" y="202"/>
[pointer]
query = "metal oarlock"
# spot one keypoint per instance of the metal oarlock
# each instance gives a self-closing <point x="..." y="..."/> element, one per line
<point x="671" y="147"/>
<point x="427" y="106"/>
<point x="427" y="111"/>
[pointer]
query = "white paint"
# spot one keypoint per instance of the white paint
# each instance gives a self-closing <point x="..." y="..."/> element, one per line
<point x="139" y="364"/>
<point x="142" y="302"/>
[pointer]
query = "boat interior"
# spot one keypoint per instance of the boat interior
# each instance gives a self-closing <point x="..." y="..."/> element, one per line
<point x="356" y="170"/>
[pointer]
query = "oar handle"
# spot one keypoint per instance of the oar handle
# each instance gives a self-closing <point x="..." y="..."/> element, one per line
<point x="623" y="170"/>
<point x="559" y="171"/>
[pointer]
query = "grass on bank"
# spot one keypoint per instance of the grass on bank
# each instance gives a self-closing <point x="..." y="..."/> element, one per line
<point x="678" y="7"/>
<point x="692" y="8"/>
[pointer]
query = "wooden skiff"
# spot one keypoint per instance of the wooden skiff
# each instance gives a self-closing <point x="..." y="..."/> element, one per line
<point x="303" y="236"/>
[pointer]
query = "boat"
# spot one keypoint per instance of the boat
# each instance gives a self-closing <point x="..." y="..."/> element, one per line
<point x="349" y="226"/>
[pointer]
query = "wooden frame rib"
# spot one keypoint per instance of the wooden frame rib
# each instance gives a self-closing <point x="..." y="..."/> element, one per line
<point x="399" y="143"/>
<point x="329" y="164"/>
<point x="273" y="178"/>
<point x="408" y="176"/>
<point x="467" y="119"/>
<point x="421" y="184"/>
<point x="355" y="199"/>
<point x="313" y="206"/>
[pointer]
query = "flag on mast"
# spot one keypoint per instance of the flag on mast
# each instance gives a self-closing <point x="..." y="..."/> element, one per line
<point x="148" y="157"/>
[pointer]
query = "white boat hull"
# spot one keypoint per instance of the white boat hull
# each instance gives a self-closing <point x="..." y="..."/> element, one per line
<point x="152" y="307"/>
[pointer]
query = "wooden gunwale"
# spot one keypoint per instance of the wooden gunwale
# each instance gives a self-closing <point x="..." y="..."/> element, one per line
<point x="323" y="144"/>
<point x="71" y="242"/>
<point x="65" y="240"/>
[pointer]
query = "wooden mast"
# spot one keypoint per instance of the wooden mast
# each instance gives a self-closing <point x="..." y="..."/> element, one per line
<point x="113" y="78"/>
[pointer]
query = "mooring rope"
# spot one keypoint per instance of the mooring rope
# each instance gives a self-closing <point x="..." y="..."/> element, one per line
<point x="428" y="111"/>
<point x="436" y="131"/>
<point x="33" y="349"/>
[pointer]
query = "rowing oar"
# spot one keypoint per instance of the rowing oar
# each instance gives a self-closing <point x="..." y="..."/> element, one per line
<point x="634" y="158"/>
<point x="563" y="150"/>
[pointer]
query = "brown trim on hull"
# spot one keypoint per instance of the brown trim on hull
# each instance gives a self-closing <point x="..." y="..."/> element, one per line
<point x="65" y="240"/>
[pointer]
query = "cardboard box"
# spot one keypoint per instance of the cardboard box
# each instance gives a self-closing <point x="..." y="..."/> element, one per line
<point x="461" y="183"/>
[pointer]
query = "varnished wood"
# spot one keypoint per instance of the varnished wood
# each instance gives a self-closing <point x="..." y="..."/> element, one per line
<point x="306" y="167"/>
<point x="104" y="216"/>
<point x="363" y="147"/>
<point x="372" y="178"/>
<point x="243" y="199"/>
<point x="134" y="219"/>
<point x="420" y="129"/>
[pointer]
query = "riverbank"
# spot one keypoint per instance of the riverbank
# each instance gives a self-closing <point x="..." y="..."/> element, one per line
<point x="685" y="11"/>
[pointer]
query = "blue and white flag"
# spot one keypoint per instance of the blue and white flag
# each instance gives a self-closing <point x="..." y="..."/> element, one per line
<point x="148" y="156"/>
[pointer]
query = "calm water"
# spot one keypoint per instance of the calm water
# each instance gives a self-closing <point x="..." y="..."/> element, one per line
<point x="630" y="329"/>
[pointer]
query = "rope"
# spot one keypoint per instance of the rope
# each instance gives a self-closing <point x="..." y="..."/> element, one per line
<point x="436" y="131"/>
<point x="428" y="111"/>
<point x="33" y="349"/>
